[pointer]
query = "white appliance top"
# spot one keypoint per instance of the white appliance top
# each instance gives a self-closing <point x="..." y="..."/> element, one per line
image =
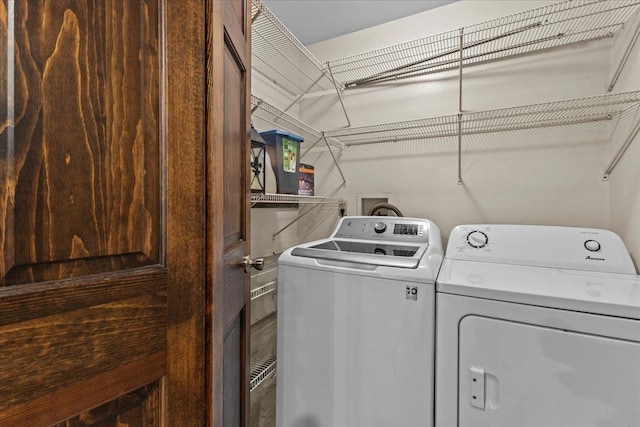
<point x="574" y="269"/>
<point x="583" y="249"/>
<point x="377" y="244"/>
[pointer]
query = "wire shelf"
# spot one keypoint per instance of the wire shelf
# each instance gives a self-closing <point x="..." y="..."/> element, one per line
<point x="265" y="116"/>
<point x="263" y="354"/>
<point x="559" y="113"/>
<point x="278" y="55"/>
<point x="561" y="24"/>
<point x="293" y="199"/>
<point x="263" y="290"/>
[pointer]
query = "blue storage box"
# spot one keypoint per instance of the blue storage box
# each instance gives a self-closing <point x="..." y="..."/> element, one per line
<point x="283" y="150"/>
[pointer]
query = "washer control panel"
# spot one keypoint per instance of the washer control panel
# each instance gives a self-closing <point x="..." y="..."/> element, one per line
<point x="592" y="245"/>
<point x="559" y="247"/>
<point x="397" y="229"/>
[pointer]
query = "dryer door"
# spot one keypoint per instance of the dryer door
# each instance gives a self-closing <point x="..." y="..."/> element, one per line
<point x="515" y="374"/>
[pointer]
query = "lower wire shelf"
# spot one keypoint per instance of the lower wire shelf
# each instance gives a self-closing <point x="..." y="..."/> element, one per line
<point x="263" y="351"/>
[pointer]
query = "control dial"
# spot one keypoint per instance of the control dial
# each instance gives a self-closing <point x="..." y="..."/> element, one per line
<point x="592" y="245"/>
<point x="380" y="227"/>
<point x="477" y="239"/>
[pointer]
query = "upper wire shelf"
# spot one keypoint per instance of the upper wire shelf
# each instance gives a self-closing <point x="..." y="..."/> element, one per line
<point x="547" y="27"/>
<point x="279" y="56"/>
<point x="558" y="113"/>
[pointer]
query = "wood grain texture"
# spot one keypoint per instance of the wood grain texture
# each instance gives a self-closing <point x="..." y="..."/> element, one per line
<point x="27" y="302"/>
<point x="139" y="408"/>
<point x="79" y="139"/>
<point x="64" y="403"/>
<point x="234" y="154"/>
<point x="228" y="189"/>
<point x="186" y="220"/>
<point x="235" y="297"/>
<point x="233" y="374"/>
<point x="79" y="345"/>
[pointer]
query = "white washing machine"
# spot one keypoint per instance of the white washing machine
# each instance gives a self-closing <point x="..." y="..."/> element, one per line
<point x="356" y="326"/>
<point x="537" y="327"/>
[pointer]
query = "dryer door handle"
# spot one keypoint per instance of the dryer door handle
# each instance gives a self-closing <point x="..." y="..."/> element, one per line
<point x="476" y="392"/>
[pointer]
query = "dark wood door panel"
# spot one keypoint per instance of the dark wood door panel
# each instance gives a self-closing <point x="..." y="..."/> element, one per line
<point x="228" y="167"/>
<point x="26" y="302"/>
<point x="139" y="408"/>
<point x="235" y="288"/>
<point x="43" y="355"/>
<point x="238" y="7"/>
<point x="234" y="151"/>
<point x="68" y="402"/>
<point x="233" y="374"/>
<point x="79" y="139"/>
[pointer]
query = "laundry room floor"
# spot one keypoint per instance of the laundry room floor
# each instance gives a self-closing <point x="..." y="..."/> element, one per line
<point x="263" y="404"/>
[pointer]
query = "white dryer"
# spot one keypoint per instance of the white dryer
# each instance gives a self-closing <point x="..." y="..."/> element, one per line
<point x="537" y="327"/>
<point x="356" y="324"/>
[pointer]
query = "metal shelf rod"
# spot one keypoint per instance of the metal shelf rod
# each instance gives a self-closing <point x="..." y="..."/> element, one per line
<point x="460" y="108"/>
<point x="623" y="149"/>
<point x="339" y="94"/>
<point x="335" y="161"/>
<point x="625" y="57"/>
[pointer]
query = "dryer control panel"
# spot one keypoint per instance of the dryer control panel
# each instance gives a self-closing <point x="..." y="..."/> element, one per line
<point x="395" y="229"/>
<point x="541" y="246"/>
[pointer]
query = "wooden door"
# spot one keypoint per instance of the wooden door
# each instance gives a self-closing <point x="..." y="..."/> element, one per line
<point x="83" y="278"/>
<point x="228" y="118"/>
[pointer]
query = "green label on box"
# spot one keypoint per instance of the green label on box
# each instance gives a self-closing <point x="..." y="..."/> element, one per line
<point x="289" y="155"/>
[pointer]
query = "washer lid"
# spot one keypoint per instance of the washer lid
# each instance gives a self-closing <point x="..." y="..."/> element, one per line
<point x="364" y="252"/>
<point x="590" y="292"/>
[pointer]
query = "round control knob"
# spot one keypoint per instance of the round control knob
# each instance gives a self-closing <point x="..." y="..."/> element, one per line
<point x="477" y="239"/>
<point x="592" y="245"/>
<point x="379" y="227"/>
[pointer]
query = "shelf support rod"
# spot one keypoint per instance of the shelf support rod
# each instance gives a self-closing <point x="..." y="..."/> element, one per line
<point x="308" y="149"/>
<point x="344" y="180"/>
<point x="339" y="95"/>
<point x="299" y="217"/>
<point x="460" y="107"/>
<point x="625" y="57"/>
<point x="300" y="96"/>
<point x="254" y="17"/>
<point x="621" y="151"/>
<point x="255" y="107"/>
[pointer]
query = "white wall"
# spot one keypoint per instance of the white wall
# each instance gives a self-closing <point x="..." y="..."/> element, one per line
<point x="543" y="176"/>
<point x="625" y="179"/>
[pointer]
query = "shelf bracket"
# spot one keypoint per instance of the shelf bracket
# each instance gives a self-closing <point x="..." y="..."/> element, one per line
<point x="460" y="66"/>
<point x="254" y="17"/>
<point x="459" y="148"/>
<point x="309" y="149"/>
<point x="625" y="57"/>
<point x="339" y="92"/>
<point x="299" y="217"/>
<point x="255" y="107"/>
<point x="344" y="180"/>
<point x="300" y="96"/>
<point x="621" y="151"/>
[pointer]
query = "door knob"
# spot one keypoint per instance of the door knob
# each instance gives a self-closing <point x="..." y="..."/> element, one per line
<point x="257" y="263"/>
